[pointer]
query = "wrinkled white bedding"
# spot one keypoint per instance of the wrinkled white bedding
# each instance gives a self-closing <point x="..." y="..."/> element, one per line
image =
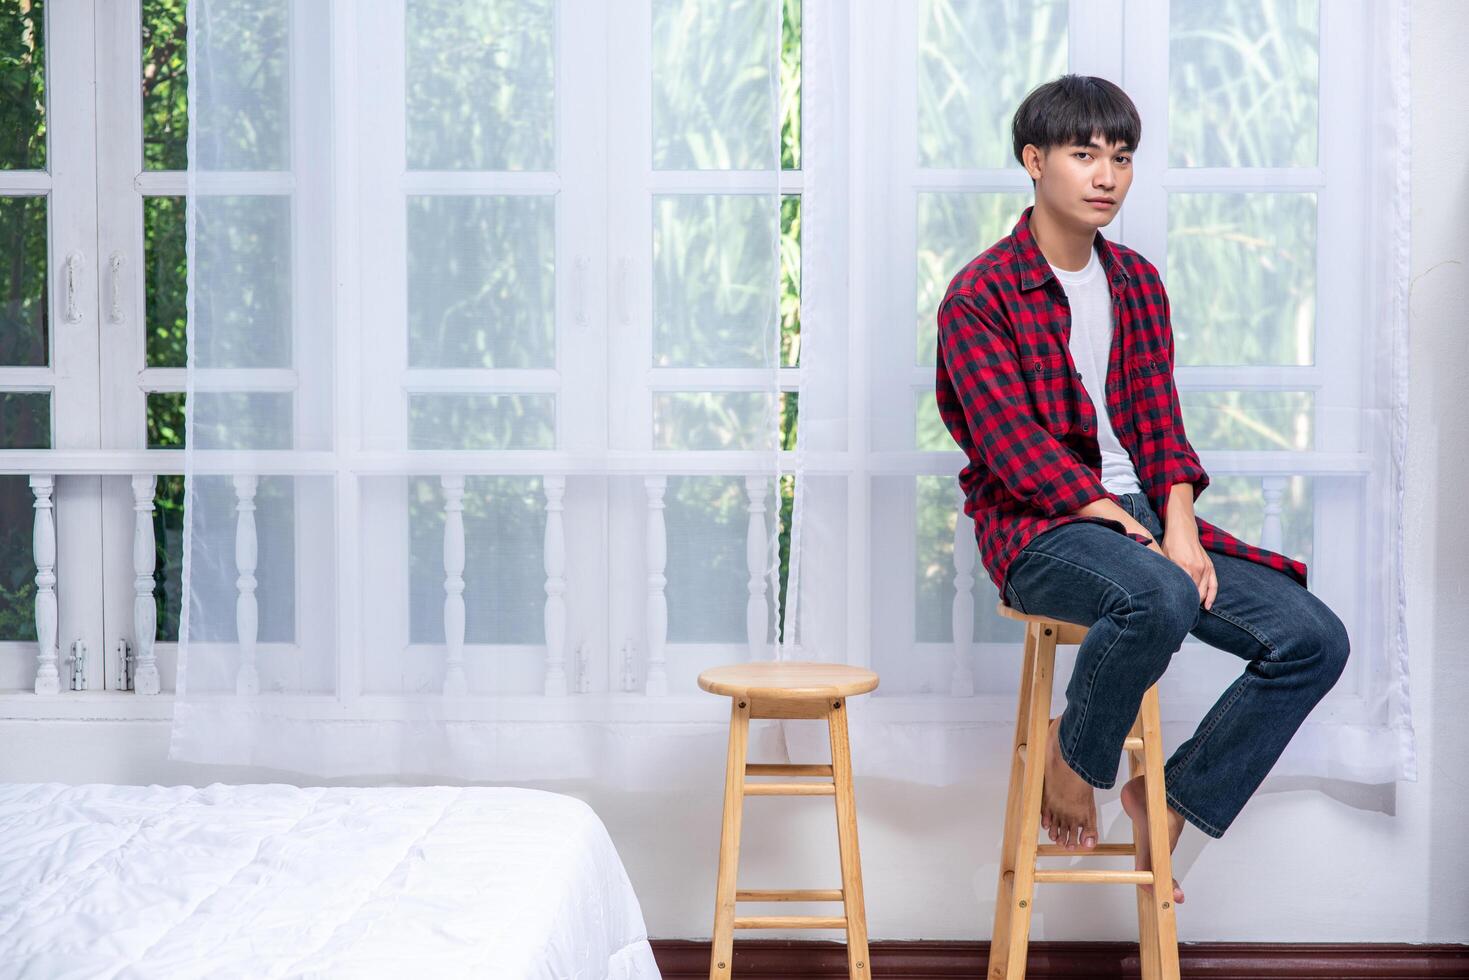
<point x="278" y="881"/>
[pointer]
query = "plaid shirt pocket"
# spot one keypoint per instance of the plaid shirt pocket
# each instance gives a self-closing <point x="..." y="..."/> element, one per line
<point x="1049" y="382"/>
<point x="1152" y="392"/>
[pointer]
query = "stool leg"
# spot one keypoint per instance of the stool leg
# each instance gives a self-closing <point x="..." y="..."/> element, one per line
<point x="1147" y="922"/>
<point x="858" y="964"/>
<point x="1161" y="899"/>
<point x="1030" y="800"/>
<point x="1004" y="892"/>
<point x="721" y="958"/>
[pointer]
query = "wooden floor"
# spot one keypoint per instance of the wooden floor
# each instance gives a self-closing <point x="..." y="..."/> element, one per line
<point x="942" y="960"/>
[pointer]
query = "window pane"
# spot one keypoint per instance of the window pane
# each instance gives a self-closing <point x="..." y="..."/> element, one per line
<point x="165" y="86"/>
<point x="165" y="281"/>
<point x="23" y="96"/>
<point x="481" y="80"/>
<point x="482" y="282"/>
<point x="954" y="227"/>
<point x="790" y="85"/>
<point x="706" y="518"/>
<point x="1238" y="504"/>
<point x="165" y="419"/>
<point x="790" y="280"/>
<point x="25" y="420"/>
<point x="504" y="577"/>
<point x="168" y="562"/>
<point x="930" y="435"/>
<point x="247" y="120"/>
<point x="1242" y="82"/>
<point x="25" y="423"/>
<point x="481" y="421"/>
<point x="213" y="571"/>
<point x="712" y="420"/>
<point x="976" y="60"/>
<point x="937" y="511"/>
<point x="243" y="250"/>
<point x="17" y="560"/>
<point x="242" y="420"/>
<point x="713" y="94"/>
<point x="1249" y="420"/>
<point x="1242" y="277"/>
<point x="23" y="331"/>
<point x="713" y="278"/>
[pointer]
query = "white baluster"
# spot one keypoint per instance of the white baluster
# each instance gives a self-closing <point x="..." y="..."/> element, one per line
<point x="1272" y="488"/>
<point x="43" y="549"/>
<point x="455" y="682"/>
<point x="145" y="607"/>
<point x="961" y="681"/>
<point x="554" y="559"/>
<point x="247" y="607"/>
<point x="757" y="616"/>
<point x="657" y="607"/>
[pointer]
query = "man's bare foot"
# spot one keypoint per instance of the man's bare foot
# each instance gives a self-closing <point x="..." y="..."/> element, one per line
<point x="1068" y="804"/>
<point x="1135" y="802"/>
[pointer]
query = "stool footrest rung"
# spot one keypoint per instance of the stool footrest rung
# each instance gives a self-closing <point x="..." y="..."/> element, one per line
<point x="789" y="922"/>
<point x="1101" y="850"/>
<point x="790" y="789"/>
<point x="1132" y="744"/>
<point x="786" y="769"/>
<point x="1095" y="877"/>
<point x="789" y="895"/>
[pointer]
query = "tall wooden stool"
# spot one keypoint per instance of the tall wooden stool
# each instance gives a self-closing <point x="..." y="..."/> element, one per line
<point x="788" y="689"/>
<point x="1019" y="873"/>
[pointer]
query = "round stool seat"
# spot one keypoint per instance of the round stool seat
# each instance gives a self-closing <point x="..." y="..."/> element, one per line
<point x="788" y="680"/>
<point x="1066" y="631"/>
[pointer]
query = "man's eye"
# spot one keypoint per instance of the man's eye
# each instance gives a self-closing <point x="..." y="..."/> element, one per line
<point x="1079" y="154"/>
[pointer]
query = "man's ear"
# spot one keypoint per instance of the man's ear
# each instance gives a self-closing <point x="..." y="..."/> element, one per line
<point x="1032" y="156"/>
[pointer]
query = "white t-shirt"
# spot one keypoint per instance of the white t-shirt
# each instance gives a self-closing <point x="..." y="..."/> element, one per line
<point x="1090" y="297"/>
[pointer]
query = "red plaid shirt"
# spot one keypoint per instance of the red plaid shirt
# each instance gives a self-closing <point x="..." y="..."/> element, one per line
<point x="1010" y="396"/>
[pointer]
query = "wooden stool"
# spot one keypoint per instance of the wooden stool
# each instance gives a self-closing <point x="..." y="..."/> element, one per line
<point x="788" y="689"/>
<point x="1158" y="936"/>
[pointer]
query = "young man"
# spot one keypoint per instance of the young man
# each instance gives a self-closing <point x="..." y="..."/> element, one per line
<point x="1055" y="375"/>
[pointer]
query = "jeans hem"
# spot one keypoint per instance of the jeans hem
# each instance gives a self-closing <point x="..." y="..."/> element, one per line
<point x="1080" y="770"/>
<point x="1192" y="817"/>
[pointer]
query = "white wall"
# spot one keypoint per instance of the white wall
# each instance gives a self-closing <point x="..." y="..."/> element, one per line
<point x="1305" y="861"/>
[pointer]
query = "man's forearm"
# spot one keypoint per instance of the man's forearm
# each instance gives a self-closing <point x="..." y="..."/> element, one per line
<point x="1180" y="510"/>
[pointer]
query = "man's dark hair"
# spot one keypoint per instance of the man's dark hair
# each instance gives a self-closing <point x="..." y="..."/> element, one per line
<point x="1071" y="110"/>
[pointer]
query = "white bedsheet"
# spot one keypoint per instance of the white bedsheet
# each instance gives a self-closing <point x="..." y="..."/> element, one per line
<point x="278" y="881"/>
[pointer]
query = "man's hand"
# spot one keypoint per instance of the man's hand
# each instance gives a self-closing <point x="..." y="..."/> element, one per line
<point x="1181" y="546"/>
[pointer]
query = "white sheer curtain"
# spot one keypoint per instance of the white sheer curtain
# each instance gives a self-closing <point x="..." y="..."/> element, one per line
<point x="491" y="305"/>
<point x="1270" y="189"/>
<point x="483" y="383"/>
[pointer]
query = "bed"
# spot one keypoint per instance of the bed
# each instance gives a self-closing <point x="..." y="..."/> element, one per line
<point x="280" y="881"/>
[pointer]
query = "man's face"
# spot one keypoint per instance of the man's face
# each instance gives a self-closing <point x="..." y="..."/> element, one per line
<point x="1083" y="184"/>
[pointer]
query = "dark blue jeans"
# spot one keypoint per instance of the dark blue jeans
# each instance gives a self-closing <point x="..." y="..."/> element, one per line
<point x="1139" y="606"/>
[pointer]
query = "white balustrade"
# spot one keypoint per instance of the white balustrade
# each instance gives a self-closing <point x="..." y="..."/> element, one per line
<point x="656" y="683"/>
<point x="757" y="615"/>
<point x="145" y="608"/>
<point x="966" y="553"/>
<point x="43" y="548"/>
<point x="455" y="682"/>
<point x="1272" y="488"/>
<point x="554" y="560"/>
<point x="247" y="608"/>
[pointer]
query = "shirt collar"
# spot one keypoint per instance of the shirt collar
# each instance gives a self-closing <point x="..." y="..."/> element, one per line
<point x="1033" y="267"/>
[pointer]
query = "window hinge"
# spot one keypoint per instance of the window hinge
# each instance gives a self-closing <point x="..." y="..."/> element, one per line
<point x="78" y="658"/>
<point x="127" y="664"/>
